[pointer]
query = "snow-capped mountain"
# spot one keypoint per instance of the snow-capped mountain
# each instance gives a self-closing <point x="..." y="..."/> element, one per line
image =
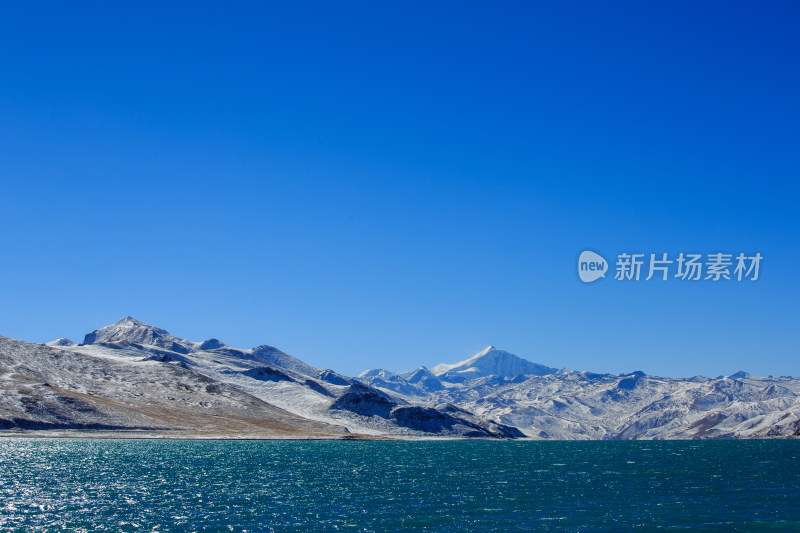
<point x="131" y="330"/>
<point x="546" y="403"/>
<point x="134" y="376"/>
<point x="490" y="362"/>
<point x="119" y="392"/>
<point x="131" y="377"/>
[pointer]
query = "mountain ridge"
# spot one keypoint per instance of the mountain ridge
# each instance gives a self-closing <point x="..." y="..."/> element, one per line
<point x="492" y="394"/>
<point x="278" y="394"/>
<point x="563" y="404"/>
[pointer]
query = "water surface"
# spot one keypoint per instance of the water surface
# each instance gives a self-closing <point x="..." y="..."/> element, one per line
<point x="185" y="485"/>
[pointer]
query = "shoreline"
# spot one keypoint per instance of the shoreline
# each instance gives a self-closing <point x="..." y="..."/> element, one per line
<point x="199" y="436"/>
<point x="190" y="435"/>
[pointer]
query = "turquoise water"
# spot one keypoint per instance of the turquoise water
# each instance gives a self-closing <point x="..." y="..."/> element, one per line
<point x="147" y="485"/>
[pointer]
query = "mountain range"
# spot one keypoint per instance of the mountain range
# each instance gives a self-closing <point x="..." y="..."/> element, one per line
<point x="134" y="379"/>
<point x="131" y="378"/>
<point x="549" y="403"/>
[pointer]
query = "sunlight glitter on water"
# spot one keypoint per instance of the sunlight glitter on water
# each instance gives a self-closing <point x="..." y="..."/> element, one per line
<point x="145" y="485"/>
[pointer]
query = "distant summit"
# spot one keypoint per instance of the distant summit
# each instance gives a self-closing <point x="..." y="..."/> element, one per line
<point x="211" y="344"/>
<point x="425" y="378"/>
<point x="491" y="362"/>
<point x="131" y="330"/>
<point x="61" y="342"/>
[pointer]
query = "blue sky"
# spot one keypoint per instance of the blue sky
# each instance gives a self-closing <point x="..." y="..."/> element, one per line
<point x="387" y="184"/>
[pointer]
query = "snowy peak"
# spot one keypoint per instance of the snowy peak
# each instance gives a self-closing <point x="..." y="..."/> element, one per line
<point x="130" y="321"/>
<point x="131" y="330"/>
<point x="424" y="378"/>
<point x="419" y="374"/>
<point x="376" y="372"/>
<point x="491" y="362"/>
<point x="441" y="368"/>
<point x="282" y="359"/>
<point x="211" y="344"/>
<point x="63" y="341"/>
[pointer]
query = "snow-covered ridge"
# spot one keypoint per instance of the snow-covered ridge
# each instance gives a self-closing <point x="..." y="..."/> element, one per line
<point x="288" y="392"/>
<point x="562" y="404"/>
<point x="129" y="374"/>
<point x="441" y="368"/>
<point x="131" y="330"/>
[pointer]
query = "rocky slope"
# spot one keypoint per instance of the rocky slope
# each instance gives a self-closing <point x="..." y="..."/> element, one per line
<point x="131" y="376"/>
<point x="46" y="388"/>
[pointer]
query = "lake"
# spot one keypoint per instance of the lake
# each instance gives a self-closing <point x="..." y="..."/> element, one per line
<point x="224" y="485"/>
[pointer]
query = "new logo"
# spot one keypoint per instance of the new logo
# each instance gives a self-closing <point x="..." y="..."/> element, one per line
<point x="591" y="266"/>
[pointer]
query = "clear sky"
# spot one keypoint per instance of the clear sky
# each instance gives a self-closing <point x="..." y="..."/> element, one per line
<point x="389" y="184"/>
